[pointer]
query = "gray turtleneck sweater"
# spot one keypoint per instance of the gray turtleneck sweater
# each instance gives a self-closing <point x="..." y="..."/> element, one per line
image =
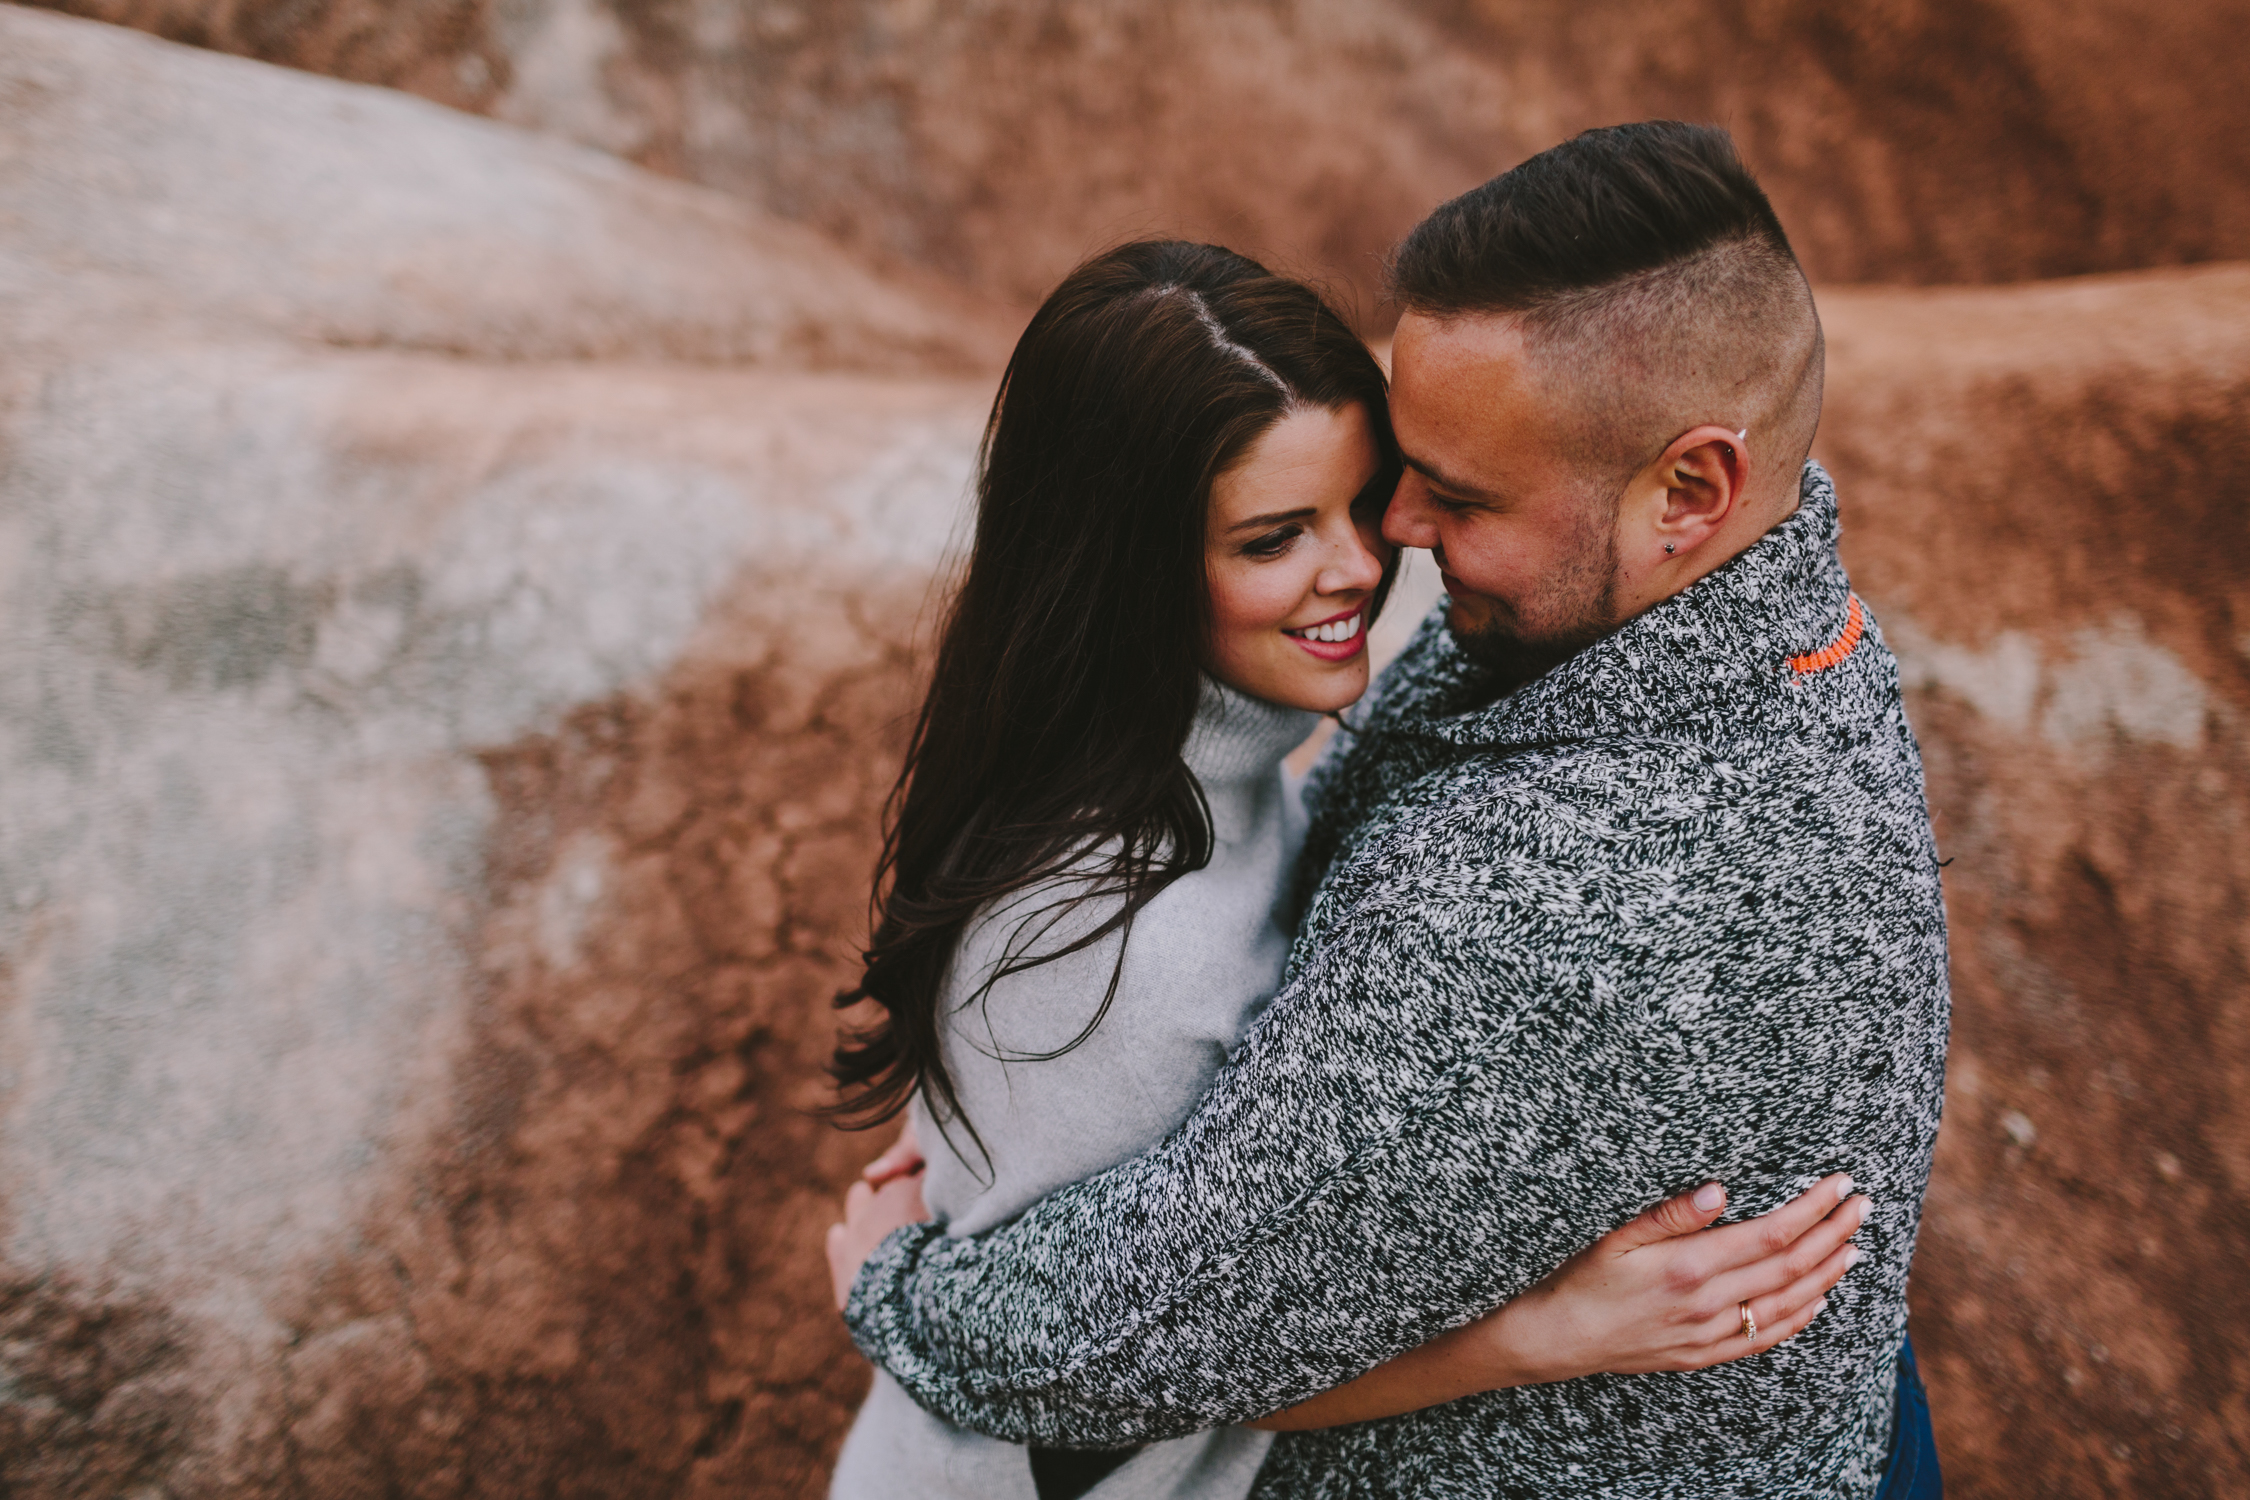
<point x="1204" y="957"/>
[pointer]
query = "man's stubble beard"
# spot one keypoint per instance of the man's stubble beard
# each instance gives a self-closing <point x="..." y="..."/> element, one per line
<point x="1573" y="610"/>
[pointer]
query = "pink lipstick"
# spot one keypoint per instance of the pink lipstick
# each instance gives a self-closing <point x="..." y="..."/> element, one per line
<point x="1338" y="638"/>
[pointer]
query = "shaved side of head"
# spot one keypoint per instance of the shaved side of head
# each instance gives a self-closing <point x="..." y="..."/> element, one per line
<point x="1728" y="336"/>
<point x="1654" y="283"/>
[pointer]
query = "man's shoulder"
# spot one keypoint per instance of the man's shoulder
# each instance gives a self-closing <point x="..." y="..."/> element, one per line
<point x="1614" y="802"/>
<point x="1610" y="779"/>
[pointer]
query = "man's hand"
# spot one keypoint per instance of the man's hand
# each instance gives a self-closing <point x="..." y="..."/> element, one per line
<point x="888" y="1197"/>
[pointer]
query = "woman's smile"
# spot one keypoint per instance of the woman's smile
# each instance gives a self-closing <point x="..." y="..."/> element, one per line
<point x="1339" y="638"/>
<point x="1295" y="559"/>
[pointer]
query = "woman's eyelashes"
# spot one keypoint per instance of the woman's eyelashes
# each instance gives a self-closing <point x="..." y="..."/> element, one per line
<point x="1274" y="542"/>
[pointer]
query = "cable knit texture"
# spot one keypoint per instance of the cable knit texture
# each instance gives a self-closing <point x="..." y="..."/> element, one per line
<point x="1205" y="956"/>
<point x="1669" y="913"/>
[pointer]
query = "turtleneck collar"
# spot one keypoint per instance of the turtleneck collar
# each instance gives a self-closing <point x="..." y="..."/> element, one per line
<point x="1236" y="737"/>
<point x="1722" y="647"/>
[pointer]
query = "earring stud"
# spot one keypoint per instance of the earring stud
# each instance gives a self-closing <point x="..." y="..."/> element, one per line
<point x="1670" y="548"/>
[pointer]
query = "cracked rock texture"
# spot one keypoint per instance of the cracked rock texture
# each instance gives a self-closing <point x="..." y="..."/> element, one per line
<point x="443" y="712"/>
<point x="461" y="596"/>
<point x="1904" y="140"/>
<point x="2047" y="500"/>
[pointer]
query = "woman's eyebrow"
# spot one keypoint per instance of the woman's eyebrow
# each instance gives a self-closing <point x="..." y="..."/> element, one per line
<point x="1277" y="516"/>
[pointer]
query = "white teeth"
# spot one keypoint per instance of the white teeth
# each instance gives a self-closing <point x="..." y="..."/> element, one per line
<point x="1333" y="632"/>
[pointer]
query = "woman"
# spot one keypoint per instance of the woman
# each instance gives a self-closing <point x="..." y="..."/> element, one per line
<point x="1176" y="559"/>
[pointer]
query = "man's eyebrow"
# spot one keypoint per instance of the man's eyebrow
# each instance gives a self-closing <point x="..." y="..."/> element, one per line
<point x="1442" y="481"/>
<point x="1273" y="518"/>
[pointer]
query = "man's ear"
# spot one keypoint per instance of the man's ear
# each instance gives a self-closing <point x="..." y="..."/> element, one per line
<point x="1699" y="483"/>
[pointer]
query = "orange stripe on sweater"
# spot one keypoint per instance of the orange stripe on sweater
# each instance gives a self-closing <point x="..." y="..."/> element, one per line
<point x="1836" y="650"/>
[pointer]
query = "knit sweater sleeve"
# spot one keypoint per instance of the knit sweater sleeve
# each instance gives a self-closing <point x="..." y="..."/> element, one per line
<point x="1440" y="1107"/>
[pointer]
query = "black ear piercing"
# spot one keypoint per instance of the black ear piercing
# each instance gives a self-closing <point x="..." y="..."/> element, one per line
<point x="1670" y="548"/>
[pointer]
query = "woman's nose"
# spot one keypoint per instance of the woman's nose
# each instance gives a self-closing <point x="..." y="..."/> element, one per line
<point x="1351" y="565"/>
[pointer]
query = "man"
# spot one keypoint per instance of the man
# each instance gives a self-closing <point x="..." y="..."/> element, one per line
<point x="1623" y="881"/>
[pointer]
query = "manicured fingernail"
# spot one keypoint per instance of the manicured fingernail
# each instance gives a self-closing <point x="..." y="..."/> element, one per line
<point x="1852" y="1256"/>
<point x="1843" y="1190"/>
<point x="1820" y="1306"/>
<point x="1710" y="1196"/>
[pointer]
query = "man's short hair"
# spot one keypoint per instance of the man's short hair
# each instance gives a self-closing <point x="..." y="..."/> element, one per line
<point x="1646" y="266"/>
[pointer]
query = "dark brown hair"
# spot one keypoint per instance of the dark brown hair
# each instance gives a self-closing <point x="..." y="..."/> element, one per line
<point x="1652" y="277"/>
<point x="1068" y="665"/>
<point x="1596" y="210"/>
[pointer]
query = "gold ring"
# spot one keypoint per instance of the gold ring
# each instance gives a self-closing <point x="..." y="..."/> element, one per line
<point x="1749" y="1324"/>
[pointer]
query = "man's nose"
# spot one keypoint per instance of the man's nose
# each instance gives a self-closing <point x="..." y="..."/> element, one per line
<point x="1408" y="520"/>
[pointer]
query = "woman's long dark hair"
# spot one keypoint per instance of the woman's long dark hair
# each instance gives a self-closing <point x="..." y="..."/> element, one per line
<point x="1068" y="667"/>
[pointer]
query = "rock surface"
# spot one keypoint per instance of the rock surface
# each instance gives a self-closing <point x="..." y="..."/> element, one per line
<point x="455" y="647"/>
<point x="1904" y="140"/>
<point x="228" y="197"/>
<point x="2047" y="500"/>
<point x="438" y="789"/>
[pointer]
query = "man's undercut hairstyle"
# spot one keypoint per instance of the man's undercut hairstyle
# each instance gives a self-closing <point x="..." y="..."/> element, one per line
<point x="1651" y="275"/>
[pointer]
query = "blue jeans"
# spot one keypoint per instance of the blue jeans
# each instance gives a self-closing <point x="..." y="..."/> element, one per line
<point x="1912" y="1473"/>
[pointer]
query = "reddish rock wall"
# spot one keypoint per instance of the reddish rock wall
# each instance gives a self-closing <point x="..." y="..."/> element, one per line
<point x="606" y="1281"/>
<point x="2045" y="498"/>
<point x="569" y="1245"/>
<point x="444" y="711"/>
<point x="451" y="647"/>
<point x="1904" y="140"/>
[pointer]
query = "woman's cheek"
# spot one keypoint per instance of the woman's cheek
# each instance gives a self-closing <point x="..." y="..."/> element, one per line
<point x="1243" y="602"/>
<point x="1241" y="635"/>
<point x="1243" y="615"/>
<point x="1226" y="612"/>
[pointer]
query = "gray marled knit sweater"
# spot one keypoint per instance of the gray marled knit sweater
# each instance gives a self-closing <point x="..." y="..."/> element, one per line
<point x="1669" y="913"/>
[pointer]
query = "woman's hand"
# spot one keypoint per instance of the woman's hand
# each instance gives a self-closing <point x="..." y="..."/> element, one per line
<point x="887" y="1197"/>
<point x="1662" y="1293"/>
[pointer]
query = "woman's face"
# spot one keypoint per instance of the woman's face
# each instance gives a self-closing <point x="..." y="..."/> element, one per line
<point x="1292" y="569"/>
